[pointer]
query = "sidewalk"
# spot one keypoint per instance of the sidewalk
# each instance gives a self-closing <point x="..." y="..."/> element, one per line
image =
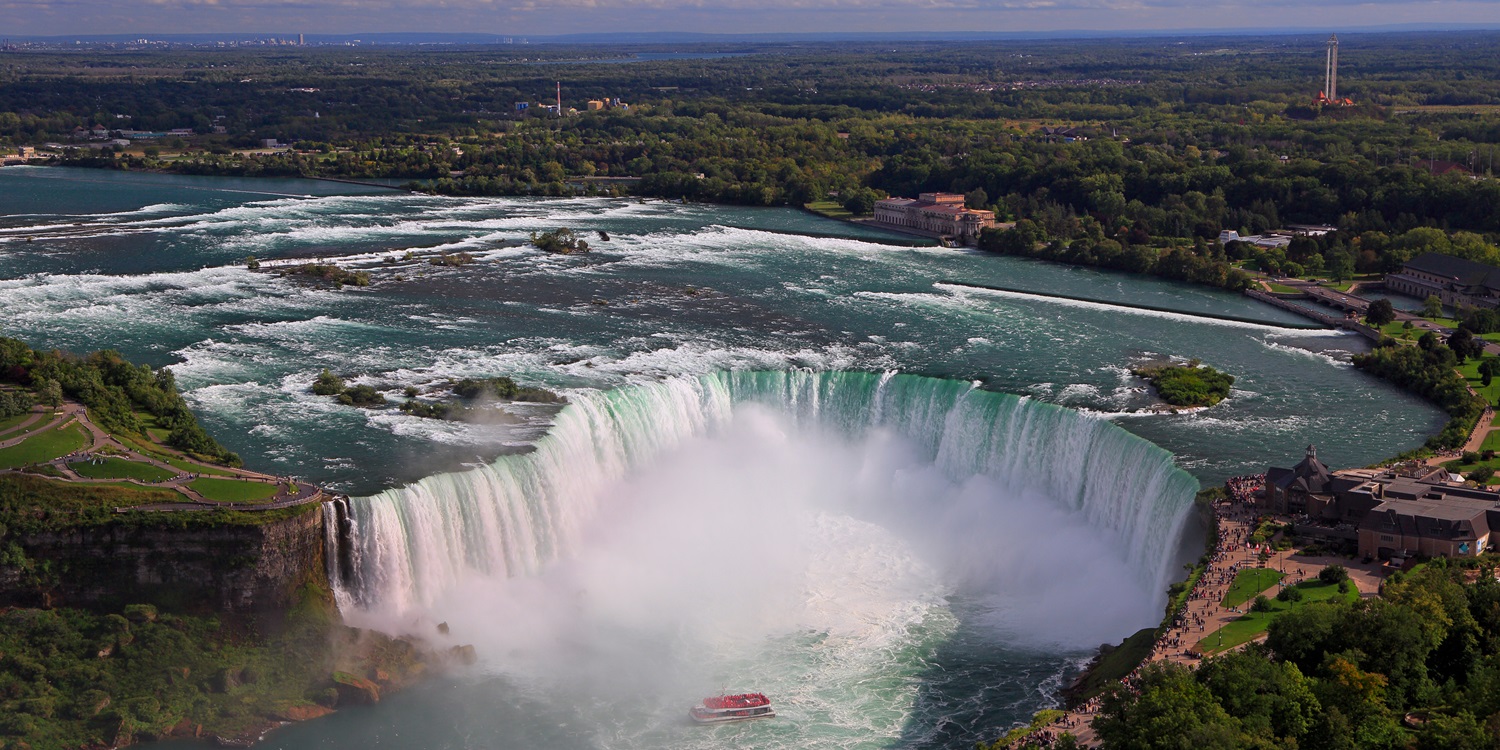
<point x="1204" y="614"/>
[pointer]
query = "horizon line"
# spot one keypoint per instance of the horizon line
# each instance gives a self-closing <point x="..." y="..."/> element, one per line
<point x="645" y="37"/>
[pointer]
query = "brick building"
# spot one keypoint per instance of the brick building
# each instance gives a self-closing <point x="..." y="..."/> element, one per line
<point x="942" y="214"/>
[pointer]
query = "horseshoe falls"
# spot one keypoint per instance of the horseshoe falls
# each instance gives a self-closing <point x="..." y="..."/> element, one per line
<point x="513" y="516"/>
<point x="833" y="470"/>
<point x="730" y="527"/>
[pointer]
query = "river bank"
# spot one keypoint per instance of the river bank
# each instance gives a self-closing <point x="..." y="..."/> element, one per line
<point x="147" y="264"/>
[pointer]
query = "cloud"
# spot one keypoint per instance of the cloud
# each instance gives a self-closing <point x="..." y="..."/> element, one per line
<point x="732" y="16"/>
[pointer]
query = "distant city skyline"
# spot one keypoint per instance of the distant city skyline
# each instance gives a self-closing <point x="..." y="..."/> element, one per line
<point x="557" y="17"/>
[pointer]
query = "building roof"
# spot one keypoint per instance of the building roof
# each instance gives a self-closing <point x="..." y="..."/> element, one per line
<point x="1458" y="519"/>
<point x="1460" y="270"/>
<point x="1309" y="476"/>
<point x="940" y="209"/>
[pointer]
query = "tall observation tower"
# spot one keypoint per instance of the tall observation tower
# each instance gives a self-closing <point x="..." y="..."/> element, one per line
<point x="1331" y="83"/>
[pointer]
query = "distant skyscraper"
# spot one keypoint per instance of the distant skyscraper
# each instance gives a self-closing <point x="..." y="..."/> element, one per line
<point x="300" y="41"/>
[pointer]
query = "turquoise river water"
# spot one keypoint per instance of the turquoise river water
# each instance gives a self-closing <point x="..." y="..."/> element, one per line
<point x="831" y="469"/>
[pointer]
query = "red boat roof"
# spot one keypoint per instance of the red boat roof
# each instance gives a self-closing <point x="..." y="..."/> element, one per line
<point x="741" y="700"/>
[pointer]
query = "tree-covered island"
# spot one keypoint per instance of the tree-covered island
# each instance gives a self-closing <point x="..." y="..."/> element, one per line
<point x="1189" y="385"/>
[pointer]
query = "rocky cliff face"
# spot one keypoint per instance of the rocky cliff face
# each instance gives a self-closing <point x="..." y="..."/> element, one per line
<point x="231" y="567"/>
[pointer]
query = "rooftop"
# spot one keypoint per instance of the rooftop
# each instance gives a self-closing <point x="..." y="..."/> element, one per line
<point x="1463" y="271"/>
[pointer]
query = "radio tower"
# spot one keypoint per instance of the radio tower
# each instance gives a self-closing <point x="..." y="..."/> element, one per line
<point x="1331" y="85"/>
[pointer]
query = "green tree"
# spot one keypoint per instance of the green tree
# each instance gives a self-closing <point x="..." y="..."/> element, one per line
<point x="1464" y="345"/>
<point x="1341" y="265"/>
<point x="1432" y="307"/>
<point x="1457" y="732"/>
<point x="51" y="393"/>
<point x="860" y="202"/>
<point x="1380" y="312"/>
<point x="1333" y="574"/>
<point x="1270" y="699"/>
<point x="1171" y="711"/>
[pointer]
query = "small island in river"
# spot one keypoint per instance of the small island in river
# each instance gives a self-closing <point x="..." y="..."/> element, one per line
<point x="1191" y="385"/>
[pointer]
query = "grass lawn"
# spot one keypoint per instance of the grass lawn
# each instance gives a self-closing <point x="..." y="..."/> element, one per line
<point x="153" y="428"/>
<point x="1470" y="370"/>
<point x="830" y="209"/>
<point x="119" y="468"/>
<point x="1248" y="583"/>
<point x="1397" y="330"/>
<point x="10" y="423"/>
<point x="155" y="451"/>
<point x="44" y="446"/>
<point x="233" y="490"/>
<point x="1491" y="442"/>
<point x="1342" y="286"/>
<point x="1282" y="288"/>
<point x="1117" y="664"/>
<point x="1249" y="626"/>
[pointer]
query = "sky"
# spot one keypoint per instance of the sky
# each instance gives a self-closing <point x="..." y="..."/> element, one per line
<point x="546" y="17"/>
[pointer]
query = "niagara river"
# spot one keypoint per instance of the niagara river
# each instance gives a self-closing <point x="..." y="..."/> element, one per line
<point x="794" y="458"/>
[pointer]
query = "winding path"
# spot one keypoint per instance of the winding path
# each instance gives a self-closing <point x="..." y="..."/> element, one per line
<point x="104" y="445"/>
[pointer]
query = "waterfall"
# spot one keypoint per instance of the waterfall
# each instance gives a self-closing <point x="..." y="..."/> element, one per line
<point x="520" y="512"/>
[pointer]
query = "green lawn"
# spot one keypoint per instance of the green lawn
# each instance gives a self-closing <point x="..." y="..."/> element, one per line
<point x="1117" y="664"/>
<point x="1248" y="583"/>
<point x="1249" y="626"/>
<point x="10" y="423"/>
<point x="44" y="446"/>
<point x="154" y="430"/>
<point x="158" y="452"/>
<point x="1470" y="370"/>
<point x="119" y="468"/>
<point x="1282" y="288"/>
<point x="233" y="490"/>
<point x="831" y="209"/>
<point x="1397" y="330"/>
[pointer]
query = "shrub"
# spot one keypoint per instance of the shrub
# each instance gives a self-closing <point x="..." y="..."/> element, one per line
<point x="1333" y="574"/>
<point x="1289" y="594"/>
<point x="1261" y="604"/>
<point x="328" y="384"/>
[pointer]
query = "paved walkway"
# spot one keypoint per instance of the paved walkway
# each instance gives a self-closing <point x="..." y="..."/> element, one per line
<point x="102" y="445"/>
<point x="37" y="413"/>
<point x="58" y="419"/>
<point x="1204" y="614"/>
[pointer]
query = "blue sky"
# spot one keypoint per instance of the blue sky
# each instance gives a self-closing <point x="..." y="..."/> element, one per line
<point x="538" y="17"/>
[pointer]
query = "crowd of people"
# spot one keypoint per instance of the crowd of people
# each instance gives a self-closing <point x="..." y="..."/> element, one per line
<point x="1236" y="521"/>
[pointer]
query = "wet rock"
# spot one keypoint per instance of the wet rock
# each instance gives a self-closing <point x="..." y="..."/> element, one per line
<point x="302" y="712"/>
<point x="355" y="690"/>
<point x="464" y="655"/>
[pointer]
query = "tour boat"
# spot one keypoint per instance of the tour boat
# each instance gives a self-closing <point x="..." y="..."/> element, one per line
<point x="739" y="707"/>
